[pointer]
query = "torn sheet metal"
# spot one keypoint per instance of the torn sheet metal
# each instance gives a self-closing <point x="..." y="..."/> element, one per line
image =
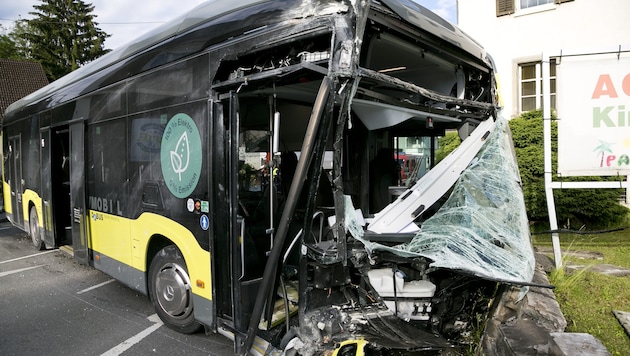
<point x="482" y="228"/>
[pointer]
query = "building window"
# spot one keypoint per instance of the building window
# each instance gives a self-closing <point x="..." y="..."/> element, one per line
<point x="507" y="7"/>
<point x="531" y="3"/>
<point x="531" y="84"/>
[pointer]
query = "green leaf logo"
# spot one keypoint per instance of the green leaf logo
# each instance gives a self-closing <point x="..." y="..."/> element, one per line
<point x="181" y="155"/>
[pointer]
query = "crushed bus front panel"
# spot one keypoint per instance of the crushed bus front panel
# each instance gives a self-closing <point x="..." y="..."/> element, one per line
<point x="252" y="168"/>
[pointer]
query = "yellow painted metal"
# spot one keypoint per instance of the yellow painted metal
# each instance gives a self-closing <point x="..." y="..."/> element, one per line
<point x="360" y="345"/>
<point x="127" y="241"/>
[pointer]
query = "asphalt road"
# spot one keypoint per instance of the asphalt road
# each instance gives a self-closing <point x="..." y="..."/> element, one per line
<point x="52" y="305"/>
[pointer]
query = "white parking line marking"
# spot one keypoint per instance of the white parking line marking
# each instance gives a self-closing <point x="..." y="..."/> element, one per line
<point x="29" y="256"/>
<point x="127" y="344"/>
<point x="96" y="286"/>
<point x="2" y="274"/>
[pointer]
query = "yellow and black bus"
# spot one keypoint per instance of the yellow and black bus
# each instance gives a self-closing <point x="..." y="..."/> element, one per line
<point x="237" y="165"/>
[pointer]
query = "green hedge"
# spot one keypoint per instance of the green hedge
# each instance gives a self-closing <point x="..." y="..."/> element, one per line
<point x="593" y="208"/>
<point x="575" y="208"/>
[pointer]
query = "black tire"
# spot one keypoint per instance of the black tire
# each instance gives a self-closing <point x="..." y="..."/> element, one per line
<point x="34" y="231"/>
<point x="170" y="290"/>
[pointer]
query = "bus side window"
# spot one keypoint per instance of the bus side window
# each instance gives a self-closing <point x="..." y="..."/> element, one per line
<point x="107" y="156"/>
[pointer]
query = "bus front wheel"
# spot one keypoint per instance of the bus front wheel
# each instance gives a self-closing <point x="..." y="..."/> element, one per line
<point x="36" y="235"/>
<point x="170" y="290"/>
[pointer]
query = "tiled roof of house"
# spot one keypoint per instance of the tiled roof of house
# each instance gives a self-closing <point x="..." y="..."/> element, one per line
<point x="18" y="79"/>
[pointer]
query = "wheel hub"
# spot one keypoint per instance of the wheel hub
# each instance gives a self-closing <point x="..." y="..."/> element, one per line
<point x="173" y="291"/>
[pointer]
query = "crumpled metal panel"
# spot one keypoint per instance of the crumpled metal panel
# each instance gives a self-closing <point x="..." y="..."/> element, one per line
<point x="482" y="228"/>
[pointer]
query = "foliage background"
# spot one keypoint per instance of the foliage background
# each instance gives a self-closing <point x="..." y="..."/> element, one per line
<point x="575" y="208"/>
<point x="62" y="35"/>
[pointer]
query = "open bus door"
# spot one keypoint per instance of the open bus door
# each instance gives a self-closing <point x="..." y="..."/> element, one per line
<point x="77" y="192"/>
<point x="15" y="178"/>
<point x="228" y="258"/>
<point x="47" y="190"/>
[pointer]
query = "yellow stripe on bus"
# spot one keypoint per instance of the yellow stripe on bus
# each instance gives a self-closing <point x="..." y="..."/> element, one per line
<point x="8" y="205"/>
<point x="126" y="241"/>
<point x="30" y="196"/>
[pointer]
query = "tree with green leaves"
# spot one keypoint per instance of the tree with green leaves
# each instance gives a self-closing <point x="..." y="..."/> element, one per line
<point x="14" y="44"/>
<point x="62" y="36"/>
<point x="8" y="49"/>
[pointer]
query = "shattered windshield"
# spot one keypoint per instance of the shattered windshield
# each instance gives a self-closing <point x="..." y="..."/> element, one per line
<point x="482" y="228"/>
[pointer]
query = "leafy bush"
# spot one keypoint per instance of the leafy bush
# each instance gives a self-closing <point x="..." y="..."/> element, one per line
<point x="446" y="145"/>
<point x="574" y="207"/>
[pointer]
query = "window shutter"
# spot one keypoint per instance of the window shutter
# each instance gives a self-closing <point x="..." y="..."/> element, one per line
<point x="505" y="7"/>
<point x="561" y="1"/>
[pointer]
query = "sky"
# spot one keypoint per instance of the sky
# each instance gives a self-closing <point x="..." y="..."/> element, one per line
<point x="125" y="20"/>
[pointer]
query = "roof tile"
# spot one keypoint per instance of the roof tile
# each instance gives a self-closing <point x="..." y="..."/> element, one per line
<point x="18" y="79"/>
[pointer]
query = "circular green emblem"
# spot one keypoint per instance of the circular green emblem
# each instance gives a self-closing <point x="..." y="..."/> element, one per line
<point x="181" y="155"/>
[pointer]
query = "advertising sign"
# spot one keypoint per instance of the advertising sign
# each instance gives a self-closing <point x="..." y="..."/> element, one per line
<point x="593" y="93"/>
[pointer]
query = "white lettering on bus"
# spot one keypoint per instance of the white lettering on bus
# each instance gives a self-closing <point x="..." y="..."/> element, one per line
<point x="105" y="205"/>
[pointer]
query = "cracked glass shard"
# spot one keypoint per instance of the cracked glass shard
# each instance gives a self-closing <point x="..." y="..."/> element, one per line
<point x="482" y="228"/>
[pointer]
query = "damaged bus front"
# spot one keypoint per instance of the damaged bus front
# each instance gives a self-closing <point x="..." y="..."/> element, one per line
<point x="241" y="165"/>
<point x="361" y="261"/>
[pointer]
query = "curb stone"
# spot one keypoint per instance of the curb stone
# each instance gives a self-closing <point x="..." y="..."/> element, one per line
<point x="533" y="324"/>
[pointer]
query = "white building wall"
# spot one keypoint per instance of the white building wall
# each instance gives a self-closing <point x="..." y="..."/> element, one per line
<point x="525" y="34"/>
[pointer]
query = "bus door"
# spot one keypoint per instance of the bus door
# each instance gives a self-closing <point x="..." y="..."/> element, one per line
<point x="235" y="292"/>
<point x="16" y="182"/>
<point x="49" y="232"/>
<point x="77" y="192"/>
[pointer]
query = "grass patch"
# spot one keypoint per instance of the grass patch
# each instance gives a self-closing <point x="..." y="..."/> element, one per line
<point x="587" y="299"/>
